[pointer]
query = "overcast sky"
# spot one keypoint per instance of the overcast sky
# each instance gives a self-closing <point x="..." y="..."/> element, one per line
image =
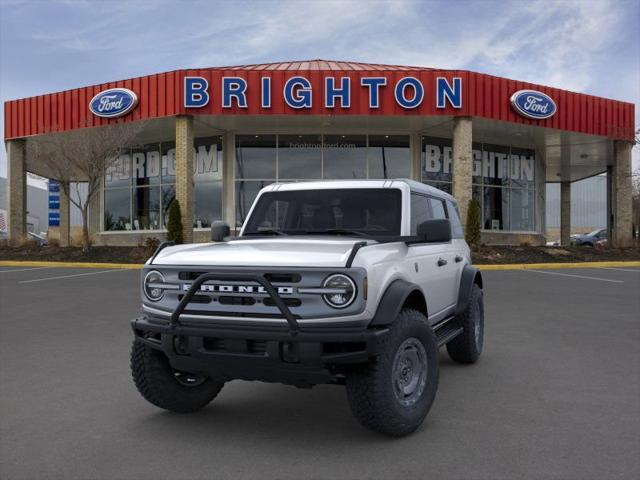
<point x="581" y="45"/>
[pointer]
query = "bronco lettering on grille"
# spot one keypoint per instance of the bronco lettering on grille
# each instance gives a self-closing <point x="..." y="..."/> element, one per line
<point x="248" y="289"/>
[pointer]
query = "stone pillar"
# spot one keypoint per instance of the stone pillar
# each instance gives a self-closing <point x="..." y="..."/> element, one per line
<point x="415" y="144"/>
<point x="621" y="183"/>
<point x="228" y="179"/>
<point x="65" y="215"/>
<point x="462" y="163"/>
<point x="184" y="173"/>
<point x="16" y="191"/>
<point x="565" y="213"/>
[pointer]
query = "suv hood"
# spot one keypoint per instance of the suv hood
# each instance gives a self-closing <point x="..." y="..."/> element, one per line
<point x="318" y="251"/>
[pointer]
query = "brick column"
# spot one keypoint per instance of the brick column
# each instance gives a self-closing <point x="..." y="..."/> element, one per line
<point x="462" y="163"/>
<point x="65" y="215"/>
<point x="184" y="173"/>
<point x="16" y="191"/>
<point x="621" y="184"/>
<point x="228" y="179"/>
<point x="565" y="213"/>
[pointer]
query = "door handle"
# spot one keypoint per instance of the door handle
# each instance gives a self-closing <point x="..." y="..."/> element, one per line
<point x="442" y="262"/>
<point x="458" y="258"/>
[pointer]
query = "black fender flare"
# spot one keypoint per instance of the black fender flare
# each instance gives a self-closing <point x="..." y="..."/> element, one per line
<point x="470" y="275"/>
<point x="392" y="301"/>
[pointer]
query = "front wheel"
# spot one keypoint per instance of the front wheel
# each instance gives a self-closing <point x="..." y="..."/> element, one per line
<point x="394" y="393"/>
<point x="167" y="388"/>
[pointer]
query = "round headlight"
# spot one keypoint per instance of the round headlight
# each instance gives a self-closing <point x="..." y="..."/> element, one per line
<point x="344" y="291"/>
<point x="151" y="289"/>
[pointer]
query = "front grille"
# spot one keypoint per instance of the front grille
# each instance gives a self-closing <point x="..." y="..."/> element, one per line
<point x="273" y="277"/>
<point x="236" y="300"/>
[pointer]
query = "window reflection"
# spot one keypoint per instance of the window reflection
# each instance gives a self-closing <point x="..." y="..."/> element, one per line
<point x="345" y="156"/>
<point x="389" y="156"/>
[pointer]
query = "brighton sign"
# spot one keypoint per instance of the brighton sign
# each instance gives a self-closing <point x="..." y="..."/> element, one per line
<point x="113" y="103"/>
<point x="533" y="104"/>
<point x="298" y="93"/>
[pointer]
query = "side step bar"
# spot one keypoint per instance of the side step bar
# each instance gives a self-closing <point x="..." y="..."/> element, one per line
<point x="446" y="331"/>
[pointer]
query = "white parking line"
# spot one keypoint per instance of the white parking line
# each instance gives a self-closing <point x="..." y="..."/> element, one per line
<point x="622" y="269"/>
<point x="576" y="276"/>
<point x="70" y="276"/>
<point x="23" y="269"/>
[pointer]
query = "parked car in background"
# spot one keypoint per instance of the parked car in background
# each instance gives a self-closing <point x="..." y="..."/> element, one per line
<point x="591" y="239"/>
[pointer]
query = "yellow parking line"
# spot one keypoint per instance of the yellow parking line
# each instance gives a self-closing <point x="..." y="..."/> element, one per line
<point x="542" y="266"/>
<point x="29" y="263"/>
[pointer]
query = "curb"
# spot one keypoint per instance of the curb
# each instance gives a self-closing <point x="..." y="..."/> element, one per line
<point x="510" y="266"/>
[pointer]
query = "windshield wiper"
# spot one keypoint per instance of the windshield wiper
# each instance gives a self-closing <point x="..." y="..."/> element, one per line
<point x="338" y="231"/>
<point x="266" y="232"/>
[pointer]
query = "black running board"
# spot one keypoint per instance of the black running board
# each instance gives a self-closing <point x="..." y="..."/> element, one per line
<point x="446" y="331"/>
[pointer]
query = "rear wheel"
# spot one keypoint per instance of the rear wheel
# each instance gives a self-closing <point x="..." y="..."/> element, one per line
<point x="467" y="347"/>
<point x="167" y="388"/>
<point x="394" y="393"/>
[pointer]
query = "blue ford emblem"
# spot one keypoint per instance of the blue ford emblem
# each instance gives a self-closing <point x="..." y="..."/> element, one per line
<point x="533" y="104"/>
<point x="114" y="102"/>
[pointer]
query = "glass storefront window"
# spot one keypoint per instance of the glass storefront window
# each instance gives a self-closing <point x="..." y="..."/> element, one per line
<point x="444" y="186"/>
<point x="118" y="174"/>
<point x="500" y="176"/>
<point x="117" y="209"/>
<point x="168" y="162"/>
<point x="208" y="203"/>
<point x="436" y="160"/>
<point x="496" y="208"/>
<point x="299" y="156"/>
<point x="389" y="156"/>
<point x="207" y="160"/>
<point x="521" y="210"/>
<point x="145" y="165"/>
<point x="522" y="167"/>
<point x="168" y="194"/>
<point x="344" y="156"/>
<point x="148" y="175"/>
<point x="256" y="156"/>
<point x="146" y="208"/>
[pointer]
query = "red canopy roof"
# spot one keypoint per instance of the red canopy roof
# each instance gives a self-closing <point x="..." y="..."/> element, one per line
<point x="161" y="95"/>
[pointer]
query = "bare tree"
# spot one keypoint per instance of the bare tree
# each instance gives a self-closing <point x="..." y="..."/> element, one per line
<point x="84" y="156"/>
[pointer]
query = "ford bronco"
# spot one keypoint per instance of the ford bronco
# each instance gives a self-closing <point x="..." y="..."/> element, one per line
<point x="354" y="283"/>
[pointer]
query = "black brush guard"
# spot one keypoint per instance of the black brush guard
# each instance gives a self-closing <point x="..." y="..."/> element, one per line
<point x="174" y="322"/>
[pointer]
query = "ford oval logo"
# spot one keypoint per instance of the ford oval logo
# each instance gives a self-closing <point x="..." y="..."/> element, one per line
<point x="114" y="102"/>
<point x="533" y="104"/>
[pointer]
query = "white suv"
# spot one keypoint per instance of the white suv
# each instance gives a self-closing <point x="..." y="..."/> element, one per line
<point x="354" y="283"/>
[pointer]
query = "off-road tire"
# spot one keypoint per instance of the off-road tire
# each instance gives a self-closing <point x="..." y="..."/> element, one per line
<point x="370" y="387"/>
<point x="155" y="380"/>
<point x="466" y="348"/>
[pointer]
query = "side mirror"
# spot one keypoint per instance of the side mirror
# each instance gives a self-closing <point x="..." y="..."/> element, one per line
<point x="436" y="231"/>
<point x="219" y="231"/>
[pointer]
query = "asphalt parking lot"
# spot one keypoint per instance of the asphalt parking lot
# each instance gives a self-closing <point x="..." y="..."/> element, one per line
<point x="555" y="395"/>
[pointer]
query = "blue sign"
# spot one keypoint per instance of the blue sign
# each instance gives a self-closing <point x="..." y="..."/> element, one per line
<point x="533" y="104"/>
<point x="54" y="219"/>
<point x="54" y="203"/>
<point x="54" y="187"/>
<point x="114" y="102"/>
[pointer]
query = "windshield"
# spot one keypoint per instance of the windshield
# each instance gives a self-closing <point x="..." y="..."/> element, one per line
<point x="371" y="212"/>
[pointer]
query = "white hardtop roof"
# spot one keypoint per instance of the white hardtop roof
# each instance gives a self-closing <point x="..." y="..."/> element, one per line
<point x="328" y="184"/>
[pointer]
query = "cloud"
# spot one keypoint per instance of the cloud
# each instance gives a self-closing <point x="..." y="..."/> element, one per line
<point x="584" y="45"/>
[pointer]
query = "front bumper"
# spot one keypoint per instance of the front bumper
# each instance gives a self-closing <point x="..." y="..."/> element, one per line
<point x="272" y="354"/>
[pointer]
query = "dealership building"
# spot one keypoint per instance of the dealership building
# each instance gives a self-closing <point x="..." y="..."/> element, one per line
<point x="212" y="138"/>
